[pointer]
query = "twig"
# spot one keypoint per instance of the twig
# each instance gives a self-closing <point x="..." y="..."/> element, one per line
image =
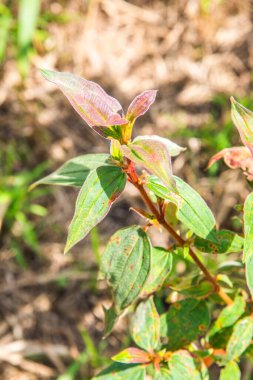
<point x="177" y="237"/>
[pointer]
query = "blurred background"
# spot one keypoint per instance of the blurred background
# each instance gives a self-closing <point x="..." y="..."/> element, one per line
<point x="197" y="53"/>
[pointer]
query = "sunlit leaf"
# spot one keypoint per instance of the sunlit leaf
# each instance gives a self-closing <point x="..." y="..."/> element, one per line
<point x="115" y="150"/>
<point x="230" y="371"/>
<point x="141" y="104"/>
<point x="28" y="12"/>
<point x="126" y="265"/>
<point x="234" y="158"/>
<point x="243" y="119"/>
<point x="248" y="227"/>
<point x="183" y="367"/>
<point x="120" y="371"/>
<point x="240" y="338"/>
<point x="163" y="374"/>
<point x="173" y="148"/>
<point x="192" y="210"/>
<point x="101" y="188"/>
<point x="249" y="273"/>
<point x="146" y="326"/>
<point x="153" y="155"/>
<point x="223" y="241"/>
<point x="132" y="355"/>
<point x="184" y="322"/>
<point x="91" y="102"/>
<point x="6" y="20"/>
<point x="229" y="315"/>
<point x="75" y="171"/>
<point x="161" y="265"/>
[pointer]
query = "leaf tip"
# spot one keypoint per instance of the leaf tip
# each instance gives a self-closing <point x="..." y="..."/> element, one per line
<point x="32" y="186"/>
<point x="47" y="74"/>
<point x="232" y="100"/>
<point x="67" y="248"/>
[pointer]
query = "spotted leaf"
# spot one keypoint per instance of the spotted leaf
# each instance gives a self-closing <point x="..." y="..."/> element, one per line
<point x="223" y="241"/>
<point x="146" y="326"/>
<point x="126" y="264"/>
<point x="240" y="338"/>
<point x="184" y="322"/>
<point x="184" y="367"/>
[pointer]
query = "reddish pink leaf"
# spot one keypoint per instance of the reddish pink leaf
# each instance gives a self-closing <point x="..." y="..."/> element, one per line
<point x="237" y="157"/>
<point x="141" y="104"/>
<point x="91" y="102"/>
<point x="154" y="155"/>
<point x="243" y="119"/>
<point x="132" y="355"/>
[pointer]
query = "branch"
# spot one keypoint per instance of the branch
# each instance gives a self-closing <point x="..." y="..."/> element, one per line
<point x="133" y="178"/>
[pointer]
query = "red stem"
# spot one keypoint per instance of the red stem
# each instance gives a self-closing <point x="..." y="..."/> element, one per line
<point x="133" y="178"/>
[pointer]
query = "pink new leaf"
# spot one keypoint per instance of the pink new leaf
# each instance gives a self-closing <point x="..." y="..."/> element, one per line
<point x="153" y="153"/>
<point x="237" y="157"/>
<point x="243" y="119"/>
<point x="91" y="102"/>
<point x="132" y="355"/>
<point x="141" y="104"/>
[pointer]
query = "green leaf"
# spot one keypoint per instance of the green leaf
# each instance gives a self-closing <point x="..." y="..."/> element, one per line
<point x="248" y="227"/>
<point x="192" y="209"/>
<point x="126" y="264"/>
<point x="119" y="371"/>
<point x="110" y="320"/>
<point x="240" y="338"/>
<point x="184" y="322"/>
<point x="243" y="119"/>
<point x="220" y="242"/>
<point x="249" y="274"/>
<point x="146" y="326"/>
<point x="161" y="265"/>
<point x="183" y="367"/>
<point x="163" y="374"/>
<point x="231" y="371"/>
<point x="101" y="188"/>
<point x="220" y="339"/>
<point x="132" y="355"/>
<point x="27" y="11"/>
<point x="5" y="20"/>
<point x="229" y="315"/>
<point x="75" y="171"/>
<point x="198" y="290"/>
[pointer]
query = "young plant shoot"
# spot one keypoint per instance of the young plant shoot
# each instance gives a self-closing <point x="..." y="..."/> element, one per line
<point x="212" y="318"/>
